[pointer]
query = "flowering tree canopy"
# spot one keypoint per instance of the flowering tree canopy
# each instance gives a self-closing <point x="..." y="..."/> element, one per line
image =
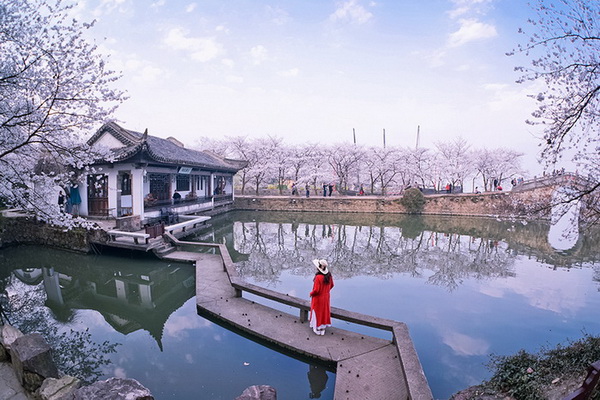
<point x="563" y="44"/>
<point x="54" y="87"/>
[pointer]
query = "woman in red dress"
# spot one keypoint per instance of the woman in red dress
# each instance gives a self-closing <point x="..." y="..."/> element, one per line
<point x="320" y="310"/>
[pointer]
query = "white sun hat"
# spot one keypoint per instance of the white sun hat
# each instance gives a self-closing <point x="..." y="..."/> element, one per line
<point x="321" y="266"/>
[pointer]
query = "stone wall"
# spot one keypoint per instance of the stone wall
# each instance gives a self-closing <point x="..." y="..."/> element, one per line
<point x="497" y="204"/>
<point x="26" y="230"/>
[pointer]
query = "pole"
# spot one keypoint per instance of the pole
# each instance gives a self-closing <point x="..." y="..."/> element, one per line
<point x="384" y="138"/>
<point x="354" y="134"/>
<point x="418" y="133"/>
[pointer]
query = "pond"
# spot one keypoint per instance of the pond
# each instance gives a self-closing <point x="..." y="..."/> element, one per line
<point x="466" y="288"/>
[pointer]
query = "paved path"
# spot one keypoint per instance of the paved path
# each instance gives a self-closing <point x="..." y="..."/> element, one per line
<point x="367" y="368"/>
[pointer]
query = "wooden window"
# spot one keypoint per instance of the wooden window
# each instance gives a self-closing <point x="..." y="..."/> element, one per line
<point x="160" y="186"/>
<point x="183" y="183"/>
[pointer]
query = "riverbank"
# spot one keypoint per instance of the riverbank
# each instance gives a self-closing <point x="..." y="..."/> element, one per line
<point x="531" y="204"/>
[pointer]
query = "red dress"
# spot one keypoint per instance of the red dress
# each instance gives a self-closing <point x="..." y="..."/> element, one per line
<point x="320" y="310"/>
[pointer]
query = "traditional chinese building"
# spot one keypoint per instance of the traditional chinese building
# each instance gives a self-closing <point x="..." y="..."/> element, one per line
<point x="146" y="174"/>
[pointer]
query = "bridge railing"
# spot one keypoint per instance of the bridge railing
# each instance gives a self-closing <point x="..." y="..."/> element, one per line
<point x="418" y="388"/>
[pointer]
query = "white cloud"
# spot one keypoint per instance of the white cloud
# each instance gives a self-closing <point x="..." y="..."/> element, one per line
<point x="158" y="4"/>
<point x="148" y="73"/>
<point x="463" y="7"/>
<point x="235" y="79"/>
<point x="199" y="48"/>
<point x="228" y="62"/>
<point x="258" y="54"/>
<point x="139" y="70"/>
<point x="190" y="7"/>
<point x="471" y="30"/>
<point x="119" y="372"/>
<point x="351" y="11"/>
<point x="108" y="6"/>
<point x="555" y="291"/>
<point x="278" y="16"/>
<point x="464" y="345"/>
<point x="177" y="326"/>
<point x="222" y="28"/>
<point x="289" y="73"/>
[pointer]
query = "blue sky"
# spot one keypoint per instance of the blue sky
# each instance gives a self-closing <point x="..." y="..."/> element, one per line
<point x="311" y="71"/>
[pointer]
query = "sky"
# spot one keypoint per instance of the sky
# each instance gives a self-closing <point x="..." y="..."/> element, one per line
<point x="312" y="71"/>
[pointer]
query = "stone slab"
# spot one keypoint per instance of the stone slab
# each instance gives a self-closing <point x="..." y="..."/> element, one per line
<point x="371" y="376"/>
<point x="10" y="387"/>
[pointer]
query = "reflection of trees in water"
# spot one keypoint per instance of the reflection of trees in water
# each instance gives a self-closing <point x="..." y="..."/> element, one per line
<point x="445" y="258"/>
<point x="74" y="351"/>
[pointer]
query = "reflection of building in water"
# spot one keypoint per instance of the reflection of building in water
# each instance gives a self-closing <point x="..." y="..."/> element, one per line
<point x="128" y="299"/>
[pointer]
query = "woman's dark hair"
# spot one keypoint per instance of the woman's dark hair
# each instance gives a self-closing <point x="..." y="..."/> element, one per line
<point x="327" y="276"/>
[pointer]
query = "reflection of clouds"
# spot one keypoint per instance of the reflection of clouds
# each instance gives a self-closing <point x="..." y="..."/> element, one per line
<point x="189" y="359"/>
<point x="177" y="326"/>
<point x="119" y="372"/>
<point x="464" y="345"/>
<point x="554" y="290"/>
<point x="492" y="291"/>
<point x="218" y="338"/>
<point x="95" y="319"/>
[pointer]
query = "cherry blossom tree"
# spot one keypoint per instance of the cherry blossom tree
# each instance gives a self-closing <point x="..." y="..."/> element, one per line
<point x="54" y="88"/>
<point x="563" y="44"/>
<point x="419" y="161"/>
<point x="243" y="148"/>
<point x="497" y="164"/>
<point x="278" y="155"/>
<point x="316" y="169"/>
<point x="455" y="157"/>
<point x="344" y="159"/>
<point x="385" y="165"/>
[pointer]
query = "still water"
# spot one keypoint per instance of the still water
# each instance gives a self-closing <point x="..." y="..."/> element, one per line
<point x="466" y="288"/>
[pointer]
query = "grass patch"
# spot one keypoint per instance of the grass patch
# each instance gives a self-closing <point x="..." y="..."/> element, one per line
<point x="530" y="376"/>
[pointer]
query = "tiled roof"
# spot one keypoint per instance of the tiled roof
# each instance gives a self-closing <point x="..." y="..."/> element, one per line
<point x="162" y="150"/>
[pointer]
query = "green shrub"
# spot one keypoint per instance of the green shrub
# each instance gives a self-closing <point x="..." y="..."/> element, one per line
<point x="526" y="376"/>
<point x="413" y="201"/>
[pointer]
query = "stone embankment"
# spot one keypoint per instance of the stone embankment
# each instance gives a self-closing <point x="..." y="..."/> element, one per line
<point x="522" y="204"/>
<point x="17" y="228"/>
<point x="28" y="372"/>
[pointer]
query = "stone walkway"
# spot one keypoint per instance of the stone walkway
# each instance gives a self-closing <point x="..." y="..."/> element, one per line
<point x="10" y="388"/>
<point x="367" y="368"/>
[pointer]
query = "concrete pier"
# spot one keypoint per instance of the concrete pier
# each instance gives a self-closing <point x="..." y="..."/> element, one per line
<point x="367" y="368"/>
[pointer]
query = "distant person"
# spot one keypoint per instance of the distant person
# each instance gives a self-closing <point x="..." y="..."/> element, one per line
<point x="307" y="191"/>
<point x="324" y="190"/>
<point x="75" y="200"/>
<point x="361" y="192"/>
<point x="294" y="189"/>
<point x="477" y="191"/>
<point x="176" y="197"/>
<point x="330" y="189"/>
<point x="61" y="201"/>
<point x="320" y="308"/>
